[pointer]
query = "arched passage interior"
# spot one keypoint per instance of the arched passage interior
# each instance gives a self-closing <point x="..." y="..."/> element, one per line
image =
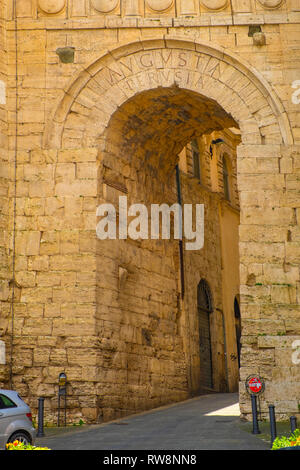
<point x="158" y="326"/>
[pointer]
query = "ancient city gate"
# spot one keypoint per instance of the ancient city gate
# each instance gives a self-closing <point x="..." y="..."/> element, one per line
<point x="123" y="121"/>
<point x="125" y="113"/>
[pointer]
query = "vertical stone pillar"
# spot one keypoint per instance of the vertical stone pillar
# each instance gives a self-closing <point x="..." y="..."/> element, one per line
<point x="268" y="178"/>
<point x="55" y="326"/>
<point x="4" y="202"/>
<point x="132" y="8"/>
<point x="188" y="7"/>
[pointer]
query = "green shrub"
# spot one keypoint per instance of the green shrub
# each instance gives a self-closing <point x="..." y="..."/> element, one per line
<point x="292" y="441"/>
<point x="16" y="445"/>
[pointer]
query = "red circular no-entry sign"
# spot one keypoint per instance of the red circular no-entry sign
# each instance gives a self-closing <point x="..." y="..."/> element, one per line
<point x="255" y="385"/>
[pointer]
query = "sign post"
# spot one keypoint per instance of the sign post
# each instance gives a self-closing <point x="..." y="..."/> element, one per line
<point x="272" y="423"/>
<point x="254" y="386"/>
<point x="62" y="392"/>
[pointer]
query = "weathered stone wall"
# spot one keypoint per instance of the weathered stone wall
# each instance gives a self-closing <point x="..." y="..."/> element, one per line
<point x="69" y="87"/>
<point x="222" y="264"/>
<point x="55" y="273"/>
<point x="205" y="264"/>
<point x="270" y="273"/>
<point x="141" y="359"/>
<point x="4" y="195"/>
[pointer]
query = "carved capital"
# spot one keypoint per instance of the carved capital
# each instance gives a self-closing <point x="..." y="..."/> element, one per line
<point x="132" y="8"/>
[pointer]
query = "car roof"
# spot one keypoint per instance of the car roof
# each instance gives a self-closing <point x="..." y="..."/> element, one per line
<point x="13" y="395"/>
<point x="8" y="392"/>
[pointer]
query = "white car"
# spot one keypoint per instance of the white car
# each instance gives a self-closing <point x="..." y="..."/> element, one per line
<point x="15" y="419"/>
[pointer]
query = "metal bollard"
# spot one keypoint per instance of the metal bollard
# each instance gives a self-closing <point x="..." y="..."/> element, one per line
<point x="40" y="432"/>
<point x="255" y="429"/>
<point x="293" y="421"/>
<point x="272" y="423"/>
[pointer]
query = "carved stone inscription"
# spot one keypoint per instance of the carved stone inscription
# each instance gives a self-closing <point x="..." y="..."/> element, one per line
<point x="168" y="66"/>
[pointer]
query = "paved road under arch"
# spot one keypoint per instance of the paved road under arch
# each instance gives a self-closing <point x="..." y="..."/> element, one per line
<point x="208" y="422"/>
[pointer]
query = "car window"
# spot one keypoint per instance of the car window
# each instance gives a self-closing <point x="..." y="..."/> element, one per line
<point x="6" y="402"/>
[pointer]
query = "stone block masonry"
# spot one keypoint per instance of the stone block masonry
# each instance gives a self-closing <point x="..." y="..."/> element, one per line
<point x="145" y="79"/>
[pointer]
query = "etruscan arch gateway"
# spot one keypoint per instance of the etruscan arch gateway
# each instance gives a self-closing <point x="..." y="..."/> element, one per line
<point x="84" y="124"/>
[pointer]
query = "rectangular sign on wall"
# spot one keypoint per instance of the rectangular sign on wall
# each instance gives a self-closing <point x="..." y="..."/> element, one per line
<point x="2" y="92"/>
<point x="2" y="353"/>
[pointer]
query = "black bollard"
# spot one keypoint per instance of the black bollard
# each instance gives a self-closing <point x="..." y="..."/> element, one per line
<point x="272" y="423"/>
<point x="40" y="432"/>
<point x="255" y="429"/>
<point x="293" y="421"/>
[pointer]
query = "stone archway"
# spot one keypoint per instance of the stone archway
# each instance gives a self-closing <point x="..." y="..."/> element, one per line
<point x="199" y="67"/>
<point x="90" y="123"/>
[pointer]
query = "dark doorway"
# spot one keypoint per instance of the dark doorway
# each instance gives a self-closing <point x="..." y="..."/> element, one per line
<point x="238" y="329"/>
<point x="205" y="310"/>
